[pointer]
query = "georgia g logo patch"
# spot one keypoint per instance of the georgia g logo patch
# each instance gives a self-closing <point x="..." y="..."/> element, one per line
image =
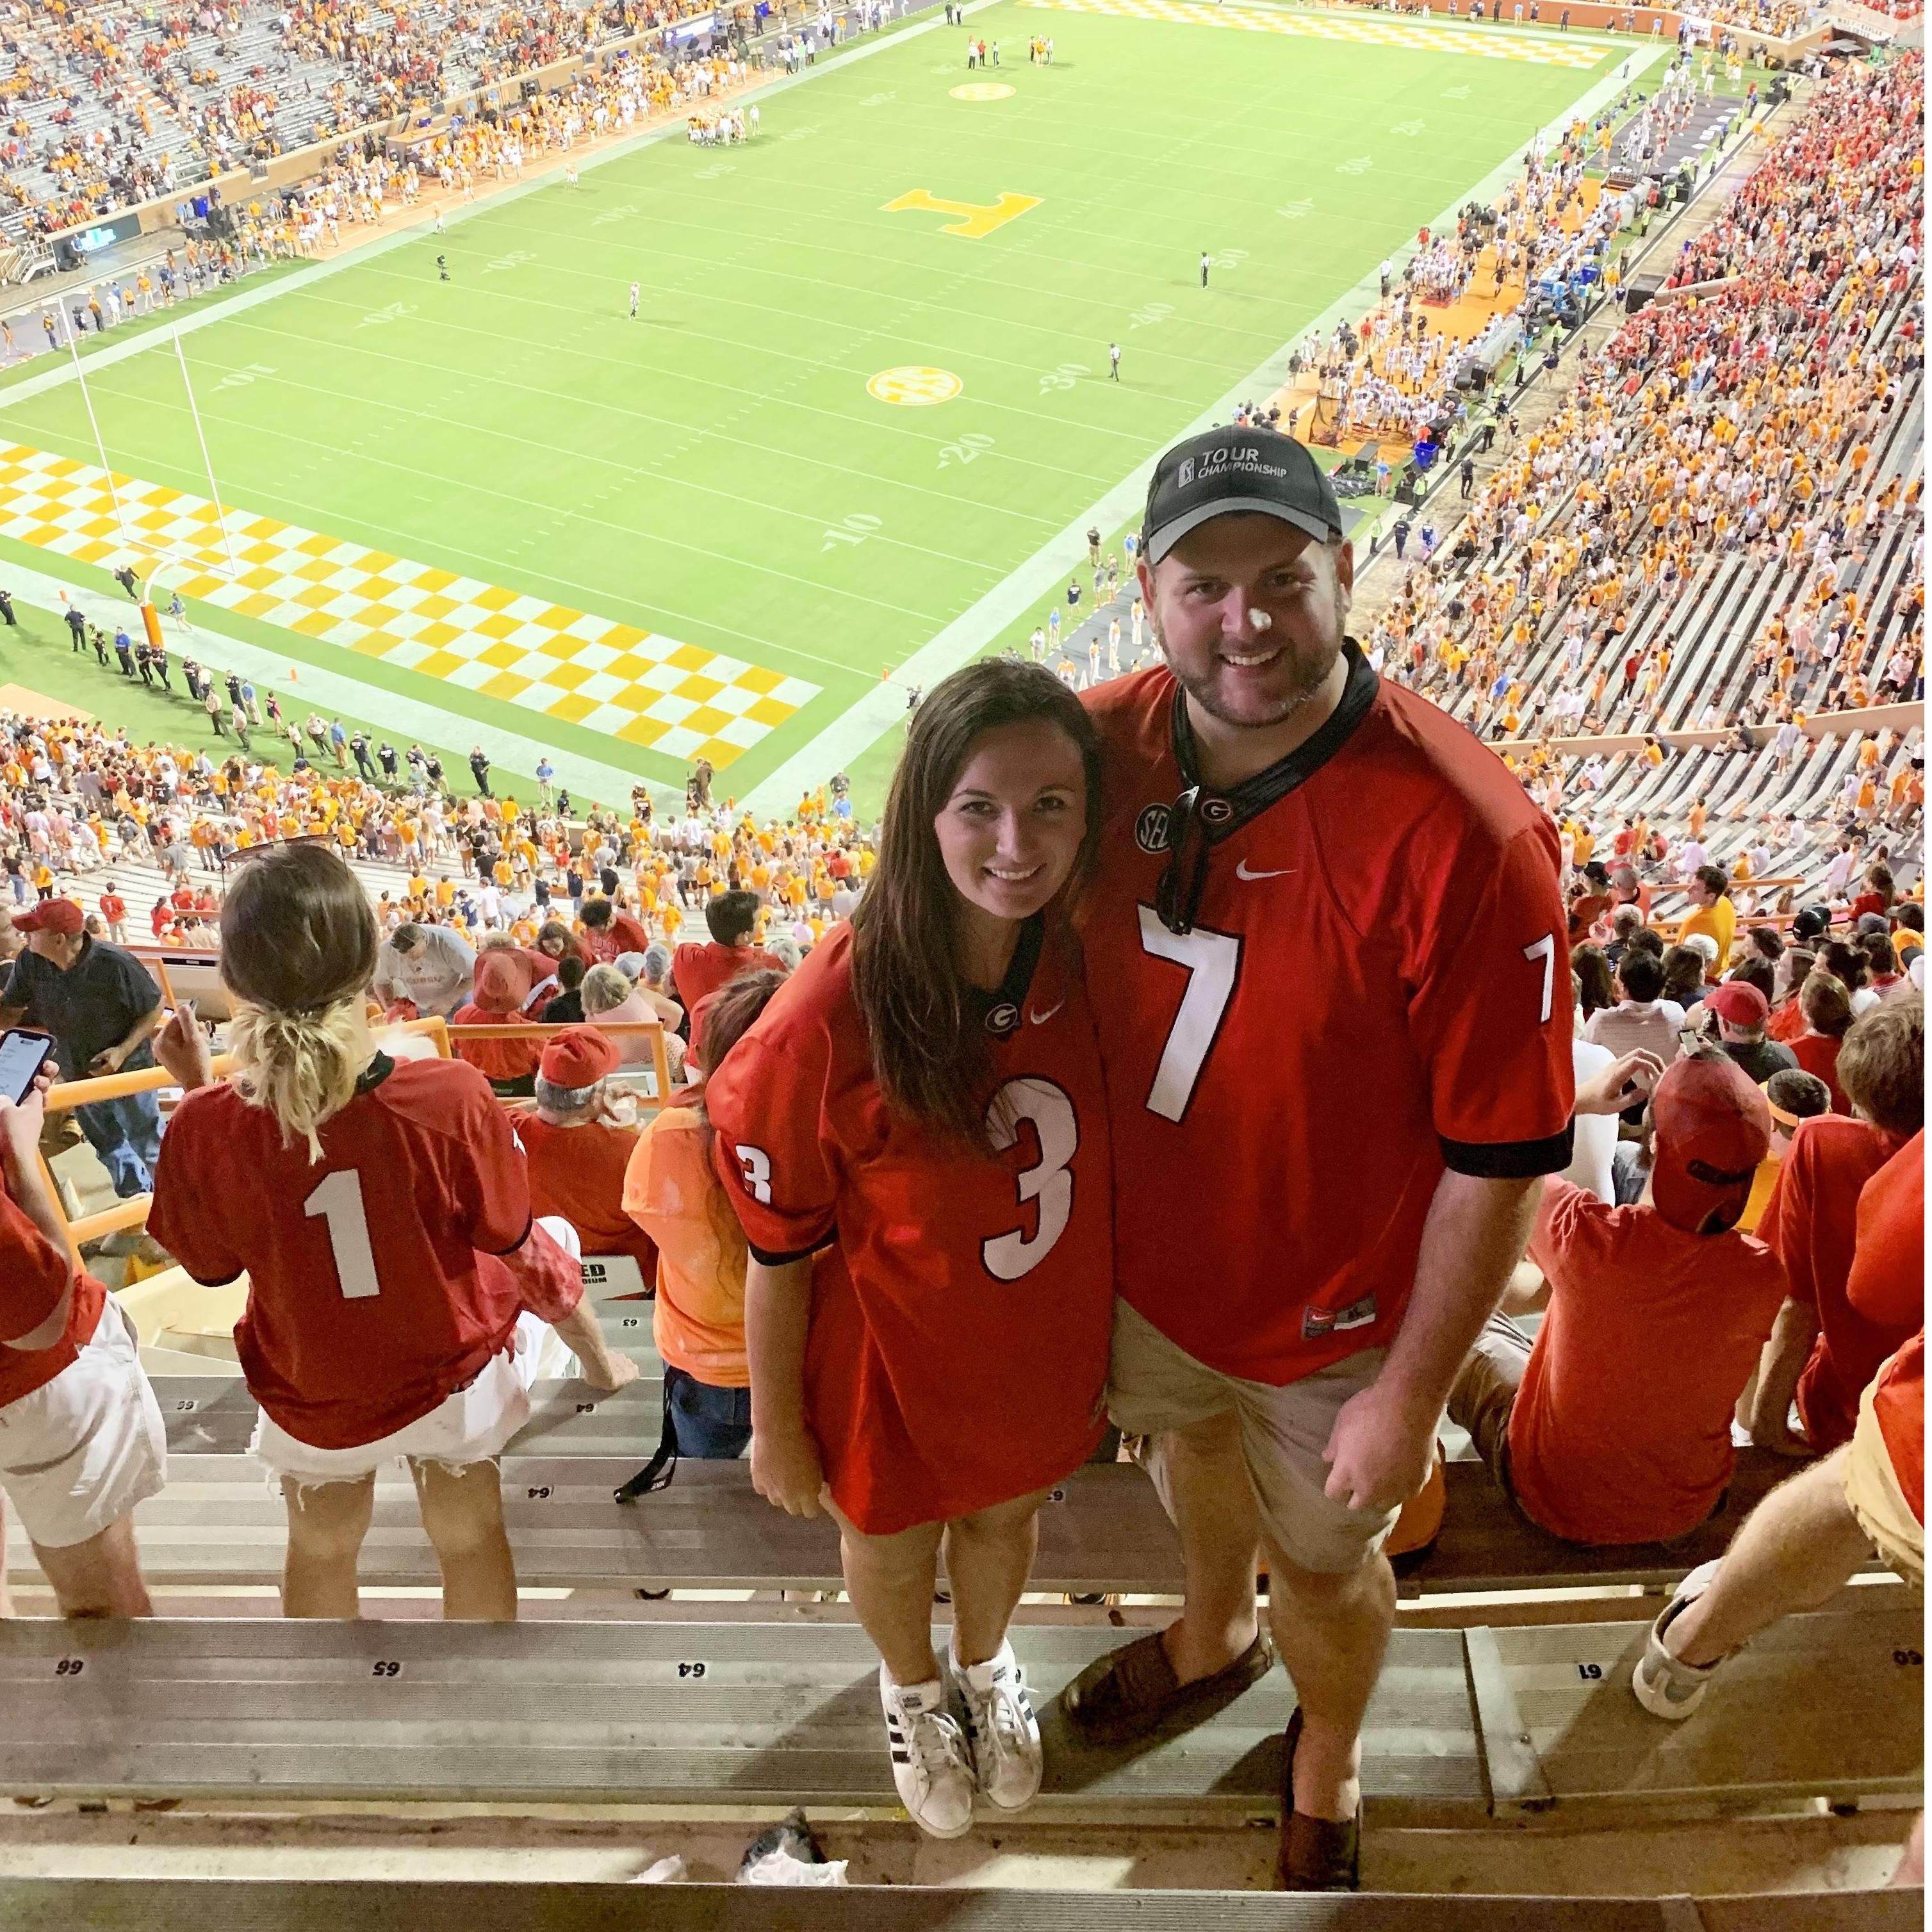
<point x="1150" y="828"/>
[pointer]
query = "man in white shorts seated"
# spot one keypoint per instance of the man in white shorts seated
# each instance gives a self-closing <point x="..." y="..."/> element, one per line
<point x="81" y="1440"/>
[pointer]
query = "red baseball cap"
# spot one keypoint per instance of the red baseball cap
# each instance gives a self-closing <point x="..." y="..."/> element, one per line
<point x="580" y="1057"/>
<point x="1739" y="1002"/>
<point x="50" y="915"/>
<point x="1712" y="1127"/>
<point x="501" y="981"/>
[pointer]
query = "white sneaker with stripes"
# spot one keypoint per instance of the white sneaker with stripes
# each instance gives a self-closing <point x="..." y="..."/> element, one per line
<point x="1000" y="1728"/>
<point x="931" y="1766"/>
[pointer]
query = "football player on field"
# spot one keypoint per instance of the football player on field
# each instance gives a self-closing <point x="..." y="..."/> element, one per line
<point x="1331" y="983"/>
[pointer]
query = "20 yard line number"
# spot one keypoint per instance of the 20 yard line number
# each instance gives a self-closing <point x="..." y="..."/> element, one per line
<point x="1214" y="963"/>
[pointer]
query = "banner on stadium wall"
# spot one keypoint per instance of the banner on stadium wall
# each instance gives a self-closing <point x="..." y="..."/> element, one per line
<point x="1697" y="291"/>
<point x="697" y="28"/>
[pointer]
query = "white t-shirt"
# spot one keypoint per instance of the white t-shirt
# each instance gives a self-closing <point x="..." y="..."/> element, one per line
<point x="1596" y="1134"/>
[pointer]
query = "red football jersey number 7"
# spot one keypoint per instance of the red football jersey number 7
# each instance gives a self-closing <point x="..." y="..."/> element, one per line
<point x="1214" y="963"/>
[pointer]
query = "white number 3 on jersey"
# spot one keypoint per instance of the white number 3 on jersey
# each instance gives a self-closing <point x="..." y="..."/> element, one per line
<point x="756" y="1164"/>
<point x="1047" y="1182"/>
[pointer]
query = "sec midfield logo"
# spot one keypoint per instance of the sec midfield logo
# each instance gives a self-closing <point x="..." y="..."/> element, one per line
<point x="1150" y="828"/>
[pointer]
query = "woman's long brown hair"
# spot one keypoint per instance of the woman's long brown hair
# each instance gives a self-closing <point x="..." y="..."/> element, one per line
<point x="929" y="1050"/>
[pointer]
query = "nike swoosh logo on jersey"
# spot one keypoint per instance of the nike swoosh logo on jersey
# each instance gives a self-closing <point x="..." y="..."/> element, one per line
<point x="1241" y="871"/>
<point x="1040" y="1019"/>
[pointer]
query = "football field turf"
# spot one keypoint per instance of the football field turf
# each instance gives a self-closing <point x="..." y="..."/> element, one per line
<point x="866" y="391"/>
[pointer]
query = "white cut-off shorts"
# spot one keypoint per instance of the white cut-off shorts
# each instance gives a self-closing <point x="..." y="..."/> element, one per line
<point x="80" y="1451"/>
<point x="472" y="1424"/>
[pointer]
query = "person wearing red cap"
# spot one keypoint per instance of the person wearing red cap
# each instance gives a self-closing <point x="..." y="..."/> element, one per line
<point x="1823" y="1350"/>
<point x="1741" y="1011"/>
<point x="578" y="1149"/>
<point x="1806" y="1539"/>
<point x="503" y="982"/>
<point x="1614" y="1427"/>
<point x="102" y="1007"/>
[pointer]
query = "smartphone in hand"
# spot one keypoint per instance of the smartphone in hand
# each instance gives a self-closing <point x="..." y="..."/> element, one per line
<point x="23" y="1054"/>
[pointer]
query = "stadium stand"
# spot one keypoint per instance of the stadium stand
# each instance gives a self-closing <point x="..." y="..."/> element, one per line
<point x="1770" y="656"/>
<point x="115" y="106"/>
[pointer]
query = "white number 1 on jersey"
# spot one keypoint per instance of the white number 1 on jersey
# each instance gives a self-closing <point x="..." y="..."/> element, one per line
<point x="1214" y="962"/>
<point x="338" y="1200"/>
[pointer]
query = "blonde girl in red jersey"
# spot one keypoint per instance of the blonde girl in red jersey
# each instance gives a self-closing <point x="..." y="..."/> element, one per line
<point x="381" y="1210"/>
<point x="914" y="1137"/>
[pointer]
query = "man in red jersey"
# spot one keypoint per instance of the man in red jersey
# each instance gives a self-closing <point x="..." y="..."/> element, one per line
<point x="1327" y="937"/>
<point x="698" y="971"/>
<point x="608" y="934"/>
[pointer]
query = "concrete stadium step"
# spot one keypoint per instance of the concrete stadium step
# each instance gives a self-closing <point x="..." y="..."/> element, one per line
<point x="218" y="1522"/>
<point x="391" y="1905"/>
<point x="1465" y="1725"/>
<point x="214" y="1415"/>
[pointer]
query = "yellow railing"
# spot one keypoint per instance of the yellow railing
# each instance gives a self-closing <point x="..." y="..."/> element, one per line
<point x="618" y="1029"/>
<point x="66" y="1095"/>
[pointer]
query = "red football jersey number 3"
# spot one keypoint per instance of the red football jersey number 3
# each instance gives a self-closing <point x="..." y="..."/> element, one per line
<point x="338" y="1200"/>
<point x="1047" y="1182"/>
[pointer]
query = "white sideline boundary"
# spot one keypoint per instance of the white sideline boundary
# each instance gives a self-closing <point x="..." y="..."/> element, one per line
<point x="883" y="706"/>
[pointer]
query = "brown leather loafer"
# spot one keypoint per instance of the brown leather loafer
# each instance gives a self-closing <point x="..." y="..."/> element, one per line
<point x="1132" y="1692"/>
<point x="1316" y="1854"/>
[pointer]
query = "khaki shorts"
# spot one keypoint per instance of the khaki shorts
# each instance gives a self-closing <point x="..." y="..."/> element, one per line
<point x="78" y="1453"/>
<point x="1872" y="1491"/>
<point x="1153" y="1386"/>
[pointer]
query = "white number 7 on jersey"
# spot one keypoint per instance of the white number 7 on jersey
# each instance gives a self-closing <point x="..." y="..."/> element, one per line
<point x="338" y="1200"/>
<point x="1545" y="949"/>
<point x="1214" y="962"/>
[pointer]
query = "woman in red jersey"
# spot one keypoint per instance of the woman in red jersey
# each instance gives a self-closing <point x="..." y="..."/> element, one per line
<point x="381" y="1210"/>
<point x="913" y="1136"/>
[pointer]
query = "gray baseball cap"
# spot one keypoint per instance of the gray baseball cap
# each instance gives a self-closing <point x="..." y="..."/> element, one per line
<point x="1224" y="472"/>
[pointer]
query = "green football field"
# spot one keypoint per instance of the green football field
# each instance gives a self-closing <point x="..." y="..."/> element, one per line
<point x="840" y="439"/>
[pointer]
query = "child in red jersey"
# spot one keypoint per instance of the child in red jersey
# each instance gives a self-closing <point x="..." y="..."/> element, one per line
<point x="914" y="1137"/>
<point x="381" y="1210"/>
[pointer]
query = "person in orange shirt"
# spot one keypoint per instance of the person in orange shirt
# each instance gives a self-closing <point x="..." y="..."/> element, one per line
<point x="672" y="1191"/>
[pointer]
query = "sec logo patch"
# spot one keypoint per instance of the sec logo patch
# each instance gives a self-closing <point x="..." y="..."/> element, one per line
<point x="1150" y="828"/>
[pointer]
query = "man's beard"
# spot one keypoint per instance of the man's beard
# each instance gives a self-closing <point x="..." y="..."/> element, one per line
<point x="1307" y="686"/>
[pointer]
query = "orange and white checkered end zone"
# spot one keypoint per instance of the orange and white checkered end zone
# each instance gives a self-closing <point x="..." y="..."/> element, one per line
<point x="645" y="689"/>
